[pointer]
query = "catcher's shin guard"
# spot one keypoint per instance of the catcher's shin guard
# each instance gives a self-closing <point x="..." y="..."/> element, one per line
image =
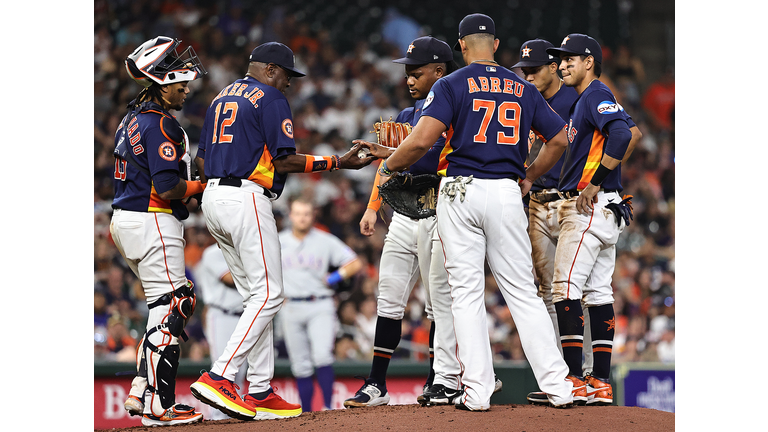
<point x="161" y="347"/>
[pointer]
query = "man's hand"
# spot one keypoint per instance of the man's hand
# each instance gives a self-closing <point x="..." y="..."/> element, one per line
<point x="525" y="186"/>
<point x="368" y="222"/>
<point x="350" y="159"/>
<point x="586" y="199"/>
<point x="378" y="151"/>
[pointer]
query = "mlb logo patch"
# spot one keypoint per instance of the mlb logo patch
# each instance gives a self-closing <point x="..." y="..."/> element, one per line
<point x="490" y="69"/>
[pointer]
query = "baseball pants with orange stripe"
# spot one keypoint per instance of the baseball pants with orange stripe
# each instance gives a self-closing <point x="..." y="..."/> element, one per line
<point x="586" y="252"/>
<point x="584" y="263"/>
<point x="152" y="244"/>
<point x="241" y="221"/>
<point x="544" y="230"/>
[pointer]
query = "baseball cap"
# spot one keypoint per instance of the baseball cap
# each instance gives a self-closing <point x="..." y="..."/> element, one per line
<point x="427" y="49"/>
<point x="579" y="44"/>
<point x="475" y="23"/>
<point x="277" y="53"/>
<point x="533" y="53"/>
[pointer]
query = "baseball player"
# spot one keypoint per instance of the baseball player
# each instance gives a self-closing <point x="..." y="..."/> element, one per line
<point x="245" y="152"/>
<point x="590" y="182"/>
<point x="223" y="307"/>
<point x="408" y="246"/>
<point x="152" y="176"/>
<point x="488" y="112"/>
<point x="309" y="313"/>
<point x="540" y="69"/>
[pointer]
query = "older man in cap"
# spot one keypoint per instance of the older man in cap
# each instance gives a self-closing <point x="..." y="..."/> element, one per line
<point x="245" y="152"/>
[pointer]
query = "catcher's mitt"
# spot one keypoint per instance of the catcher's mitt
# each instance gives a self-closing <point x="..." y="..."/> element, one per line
<point x="390" y="133"/>
<point x="412" y="196"/>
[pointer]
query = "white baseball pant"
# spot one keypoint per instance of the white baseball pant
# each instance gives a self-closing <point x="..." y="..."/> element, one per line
<point x="241" y="221"/>
<point x="490" y="223"/>
<point x="586" y="252"/>
<point x="310" y="334"/>
<point x="544" y="231"/>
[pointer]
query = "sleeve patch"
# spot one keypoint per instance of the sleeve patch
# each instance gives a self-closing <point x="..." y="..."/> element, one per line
<point x="608" y="107"/>
<point x="167" y="151"/>
<point x="430" y="98"/>
<point x="288" y="128"/>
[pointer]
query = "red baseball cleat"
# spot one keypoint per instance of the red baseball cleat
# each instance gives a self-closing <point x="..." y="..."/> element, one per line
<point x="272" y="407"/>
<point x="221" y="394"/>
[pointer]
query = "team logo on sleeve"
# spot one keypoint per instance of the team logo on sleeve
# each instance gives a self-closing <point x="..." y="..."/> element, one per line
<point x="167" y="151"/>
<point x="288" y="128"/>
<point x="608" y="107"/>
<point x="428" y="100"/>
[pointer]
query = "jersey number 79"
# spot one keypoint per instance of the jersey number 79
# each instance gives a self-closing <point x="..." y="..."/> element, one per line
<point x="508" y="115"/>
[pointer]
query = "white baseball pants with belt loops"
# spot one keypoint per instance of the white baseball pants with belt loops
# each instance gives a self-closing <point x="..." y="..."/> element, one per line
<point x="490" y="223"/>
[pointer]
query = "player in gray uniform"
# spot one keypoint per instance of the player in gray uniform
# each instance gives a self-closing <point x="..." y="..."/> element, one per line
<point x="223" y="307"/>
<point x="308" y="316"/>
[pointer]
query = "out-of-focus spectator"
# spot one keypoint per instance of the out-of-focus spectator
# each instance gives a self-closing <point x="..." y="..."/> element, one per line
<point x="399" y="30"/>
<point x="659" y="101"/>
<point x="365" y="321"/>
<point x="628" y="73"/>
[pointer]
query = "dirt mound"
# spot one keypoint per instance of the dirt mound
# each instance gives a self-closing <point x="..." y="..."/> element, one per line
<point x="405" y="418"/>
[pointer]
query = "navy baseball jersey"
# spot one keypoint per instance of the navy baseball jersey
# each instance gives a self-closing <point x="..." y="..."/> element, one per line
<point x="157" y="143"/>
<point x="489" y="112"/>
<point x="561" y="102"/>
<point x="427" y="164"/>
<point x="247" y="126"/>
<point x="594" y="109"/>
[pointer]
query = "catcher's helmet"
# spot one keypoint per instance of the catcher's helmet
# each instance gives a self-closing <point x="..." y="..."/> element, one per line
<point x="157" y="61"/>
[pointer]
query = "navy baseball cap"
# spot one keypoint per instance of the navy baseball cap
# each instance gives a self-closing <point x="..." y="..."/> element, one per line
<point x="277" y="53"/>
<point x="427" y="49"/>
<point x="475" y="23"/>
<point x="533" y="53"/>
<point x="579" y="44"/>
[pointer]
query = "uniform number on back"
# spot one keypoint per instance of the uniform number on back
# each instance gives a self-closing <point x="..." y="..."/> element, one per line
<point x="508" y="115"/>
<point x="218" y="129"/>
<point x="119" y="169"/>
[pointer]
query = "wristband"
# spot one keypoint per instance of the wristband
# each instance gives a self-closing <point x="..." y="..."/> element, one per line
<point x="193" y="188"/>
<point x="600" y="174"/>
<point x="334" y="278"/>
<point x="320" y="163"/>
<point x="383" y="170"/>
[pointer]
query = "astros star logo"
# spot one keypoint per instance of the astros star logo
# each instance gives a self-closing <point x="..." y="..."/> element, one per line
<point x="410" y="48"/>
<point x="565" y="40"/>
<point x="611" y="323"/>
<point x="526" y="51"/>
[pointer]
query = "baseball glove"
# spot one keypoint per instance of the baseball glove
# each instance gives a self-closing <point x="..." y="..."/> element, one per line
<point x="390" y="133"/>
<point x="412" y="196"/>
<point x="622" y="210"/>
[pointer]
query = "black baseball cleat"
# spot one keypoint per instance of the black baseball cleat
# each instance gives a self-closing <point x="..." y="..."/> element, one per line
<point x="370" y="394"/>
<point x="438" y="394"/>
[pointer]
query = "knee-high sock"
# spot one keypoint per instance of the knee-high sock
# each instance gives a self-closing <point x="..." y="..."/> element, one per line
<point x="603" y="323"/>
<point x="385" y="342"/>
<point x="325" y="378"/>
<point x="306" y="388"/>
<point x="570" y="321"/>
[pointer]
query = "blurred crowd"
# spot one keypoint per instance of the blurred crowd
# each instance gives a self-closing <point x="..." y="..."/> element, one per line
<point x="344" y="93"/>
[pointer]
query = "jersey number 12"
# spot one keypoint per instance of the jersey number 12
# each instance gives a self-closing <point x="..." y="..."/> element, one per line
<point x="224" y="138"/>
